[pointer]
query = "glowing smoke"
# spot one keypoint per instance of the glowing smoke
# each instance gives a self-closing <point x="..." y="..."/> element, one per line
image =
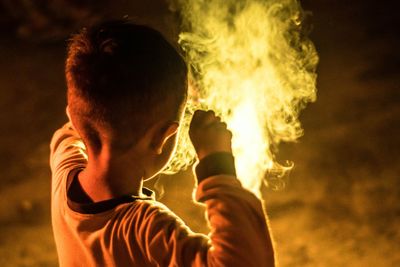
<point x="252" y="64"/>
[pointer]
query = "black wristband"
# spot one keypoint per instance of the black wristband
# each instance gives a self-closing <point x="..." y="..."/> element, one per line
<point x="216" y="164"/>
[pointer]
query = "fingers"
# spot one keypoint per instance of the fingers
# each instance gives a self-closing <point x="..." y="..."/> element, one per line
<point x="220" y="125"/>
<point x="209" y="134"/>
<point x="205" y="119"/>
<point x="201" y="118"/>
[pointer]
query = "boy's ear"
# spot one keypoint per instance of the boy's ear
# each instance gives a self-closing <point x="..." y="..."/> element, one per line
<point x="164" y="135"/>
<point x="69" y="116"/>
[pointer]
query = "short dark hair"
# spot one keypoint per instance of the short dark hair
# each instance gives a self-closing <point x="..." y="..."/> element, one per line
<point x="124" y="77"/>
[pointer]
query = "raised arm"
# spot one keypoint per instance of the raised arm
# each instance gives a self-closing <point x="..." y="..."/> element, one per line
<point x="239" y="234"/>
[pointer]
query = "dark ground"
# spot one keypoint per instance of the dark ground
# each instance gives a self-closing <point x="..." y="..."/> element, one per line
<point x="341" y="206"/>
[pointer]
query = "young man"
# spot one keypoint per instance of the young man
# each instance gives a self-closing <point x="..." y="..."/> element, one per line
<point x="127" y="90"/>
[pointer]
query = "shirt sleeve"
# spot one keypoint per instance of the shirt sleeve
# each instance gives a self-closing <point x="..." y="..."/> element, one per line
<point x="67" y="152"/>
<point x="239" y="234"/>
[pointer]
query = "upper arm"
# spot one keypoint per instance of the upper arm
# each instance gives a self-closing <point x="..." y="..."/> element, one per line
<point x="165" y="239"/>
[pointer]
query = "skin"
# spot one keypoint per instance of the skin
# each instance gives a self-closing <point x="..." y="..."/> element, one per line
<point x="109" y="174"/>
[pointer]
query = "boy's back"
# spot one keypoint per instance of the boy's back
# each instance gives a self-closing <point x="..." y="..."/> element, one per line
<point x="135" y="230"/>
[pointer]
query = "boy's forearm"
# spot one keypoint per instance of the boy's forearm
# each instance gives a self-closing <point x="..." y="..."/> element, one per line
<point x="239" y="231"/>
<point x="216" y="164"/>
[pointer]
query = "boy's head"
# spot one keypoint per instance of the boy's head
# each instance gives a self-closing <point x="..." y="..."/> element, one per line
<point x="122" y="80"/>
<point x="126" y="84"/>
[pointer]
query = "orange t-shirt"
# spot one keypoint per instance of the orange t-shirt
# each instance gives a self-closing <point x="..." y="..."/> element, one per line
<point x="139" y="231"/>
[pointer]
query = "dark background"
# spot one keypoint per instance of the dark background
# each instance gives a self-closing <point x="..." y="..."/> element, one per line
<point x="341" y="204"/>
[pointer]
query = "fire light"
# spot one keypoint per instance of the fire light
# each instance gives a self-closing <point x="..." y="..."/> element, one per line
<point x="252" y="63"/>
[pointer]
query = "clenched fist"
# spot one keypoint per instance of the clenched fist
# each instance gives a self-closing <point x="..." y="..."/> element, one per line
<point x="208" y="134"/>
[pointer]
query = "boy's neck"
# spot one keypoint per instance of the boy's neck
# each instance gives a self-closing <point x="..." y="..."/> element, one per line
<point x="104" y="179"/>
